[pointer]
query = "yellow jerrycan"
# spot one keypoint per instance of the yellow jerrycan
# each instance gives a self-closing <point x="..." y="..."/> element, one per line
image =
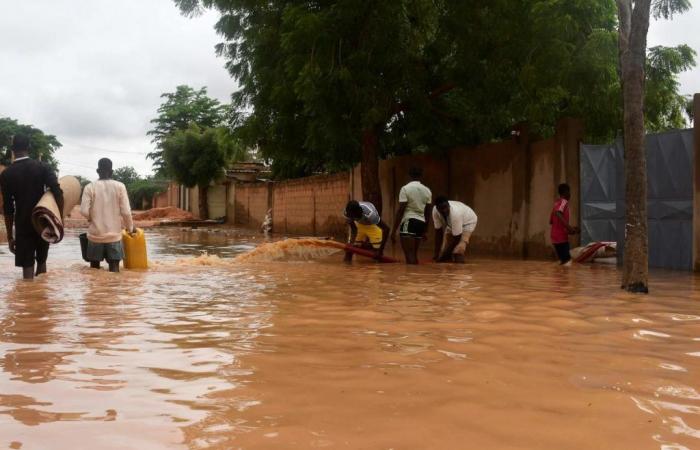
<point x="135" y="250"/>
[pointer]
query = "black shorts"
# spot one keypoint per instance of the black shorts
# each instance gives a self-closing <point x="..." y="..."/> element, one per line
<point x="30" y="249"/>
<point x="413" y="228"/>
<point x="563" y="252"/>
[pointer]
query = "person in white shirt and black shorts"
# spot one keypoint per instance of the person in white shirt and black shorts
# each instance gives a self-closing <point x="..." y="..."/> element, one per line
<point x="413" y="215"/>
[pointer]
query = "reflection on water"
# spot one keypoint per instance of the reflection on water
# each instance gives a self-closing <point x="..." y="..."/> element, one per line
<point x="493" y="355"/>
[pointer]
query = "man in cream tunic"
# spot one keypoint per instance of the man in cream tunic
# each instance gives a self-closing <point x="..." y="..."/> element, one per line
<point x="106" y="206"/>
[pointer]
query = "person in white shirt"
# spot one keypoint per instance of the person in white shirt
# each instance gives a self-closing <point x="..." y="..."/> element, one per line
<point x="105" y="204"/>
<point x="454" y="224"/>
<point x="413" y="215"/>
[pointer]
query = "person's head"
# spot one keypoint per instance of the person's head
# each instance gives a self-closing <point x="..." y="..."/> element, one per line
<point x="104" y="168"/>
<point x="20" y="145"/>
<point x="416" y="173"/>
<point x="443" y="205"/>
<point x="564" y="191"/>
<point x="353" y="210"/>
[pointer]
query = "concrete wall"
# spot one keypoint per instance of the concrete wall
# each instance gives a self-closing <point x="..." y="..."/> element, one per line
<point x="311" y="205"/>
<point x="231" y="203"/>
<point x="216" y="201"/>
<point x="251" y="203"/>
<point x="510" y="184"/>
<point x="540" y="198"/>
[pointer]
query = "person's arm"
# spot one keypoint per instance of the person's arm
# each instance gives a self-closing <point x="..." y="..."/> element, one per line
<point x="385" y="236"/>
<point x="456" y="226"/>
<point x="439" y="233"/>
<point x="426" y="214"/>
<point x="397" y="220"/>
<point x="569" y="228"/>
<point x="86" y="203"/>
<point x="51" y="182"/>
<point x="352" y="235"/>
<point x="452" y="242"/>
<point x="125" y="209"/>
<point x="8" y="206"/>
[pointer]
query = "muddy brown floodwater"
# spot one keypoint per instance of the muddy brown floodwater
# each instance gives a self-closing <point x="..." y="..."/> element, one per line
<point x="208" y="354"/>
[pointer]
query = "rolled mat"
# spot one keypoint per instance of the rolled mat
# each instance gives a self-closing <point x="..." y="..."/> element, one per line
<point x="46" y="217"/>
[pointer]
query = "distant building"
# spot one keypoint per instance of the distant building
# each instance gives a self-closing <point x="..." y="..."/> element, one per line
<point x="248" y="172"/>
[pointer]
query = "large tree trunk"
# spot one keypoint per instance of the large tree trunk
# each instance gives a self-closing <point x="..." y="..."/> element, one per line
<point x="203" y="202"/>
<point x="634" y="25"/>
<point x="371" y="189"/>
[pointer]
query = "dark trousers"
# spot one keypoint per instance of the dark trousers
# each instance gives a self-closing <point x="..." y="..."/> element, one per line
<point x="30" y="249"/>
<point x="563" y="250"/>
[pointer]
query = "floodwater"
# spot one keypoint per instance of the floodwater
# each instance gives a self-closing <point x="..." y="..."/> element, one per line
<point x="205" y="353"/>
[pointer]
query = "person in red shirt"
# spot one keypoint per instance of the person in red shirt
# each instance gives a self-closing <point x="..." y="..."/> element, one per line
<point x="561" y="229"/>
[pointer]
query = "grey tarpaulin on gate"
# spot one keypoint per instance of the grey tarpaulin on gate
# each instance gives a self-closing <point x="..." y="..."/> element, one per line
<point x="670" y="197"/>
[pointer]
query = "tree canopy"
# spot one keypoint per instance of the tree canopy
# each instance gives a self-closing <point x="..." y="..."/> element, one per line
<point x="43" y="146"/>
<point x="139" y="188"/>
<point x="127" y="175"/>
<point x="198" y="156"/>
<point x="179" y="109"/>
<point x="329" y="83"/>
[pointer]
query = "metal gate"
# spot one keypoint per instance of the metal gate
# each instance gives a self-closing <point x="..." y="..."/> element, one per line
<point x="598" y="193"/>
<point x="670" y="197"/>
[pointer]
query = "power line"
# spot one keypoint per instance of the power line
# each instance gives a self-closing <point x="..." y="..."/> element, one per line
<point x="76" y="165"/>
<point x="102" y="149"/>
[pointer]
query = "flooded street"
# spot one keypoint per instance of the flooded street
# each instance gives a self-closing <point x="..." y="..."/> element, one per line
<point x="202" y="353"/>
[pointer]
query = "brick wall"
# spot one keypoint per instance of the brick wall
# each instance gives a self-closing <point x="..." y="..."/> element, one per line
<point x="251" y="203"/>
<point x="510" y="184"/>
<point x="311" y="205"/>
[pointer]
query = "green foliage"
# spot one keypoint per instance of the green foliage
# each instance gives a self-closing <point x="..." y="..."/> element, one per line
<point x="140" y="189"/>
<point x="43" y="145"/>
<point x="126" y="175"/>
<point x="181" y="108"/>
<point x="664" y="107"/>
<point x="197" y="156"/>
<point x="83" y="181"/>
<point x="426" y="74"/>
<point x="667" y="8"/>
<point x="144" y="189"/>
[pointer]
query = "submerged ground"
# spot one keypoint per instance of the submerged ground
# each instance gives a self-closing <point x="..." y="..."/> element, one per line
<point x="202" y="353"/>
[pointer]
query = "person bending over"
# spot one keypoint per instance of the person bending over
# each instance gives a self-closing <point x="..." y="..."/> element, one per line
<point x="105" y="204"/>
<point x="413" y="215"/>
<point x="23" y="184"/>
<point x="454" y="224"/>
<point x="367" y="229"/>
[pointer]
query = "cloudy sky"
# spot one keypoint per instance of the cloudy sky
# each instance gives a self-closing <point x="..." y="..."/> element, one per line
<point x="92" y="71"/>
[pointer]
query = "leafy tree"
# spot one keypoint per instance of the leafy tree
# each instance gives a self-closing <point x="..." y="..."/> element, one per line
<point x="181" y="108"/>
<point x="331" y="83"/>
<point x="633" y="19"/>
<point x="126" y="175"/>
<point x="198" y="156"/>
<point x="43" y="146"/>
<point x="664" y="107"/>
<point x="83" y="181"/>
<point x="141" y="190"/>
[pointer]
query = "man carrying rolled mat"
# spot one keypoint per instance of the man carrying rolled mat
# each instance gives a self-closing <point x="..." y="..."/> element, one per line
<point x="105" y="204"/>
<point x="23" y="184"/>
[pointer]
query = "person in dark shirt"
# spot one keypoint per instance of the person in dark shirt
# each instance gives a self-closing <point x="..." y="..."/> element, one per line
<point x="23" y="184"/>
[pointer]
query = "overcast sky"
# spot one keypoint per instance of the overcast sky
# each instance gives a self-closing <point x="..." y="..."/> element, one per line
<point x="92" y="71"/>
